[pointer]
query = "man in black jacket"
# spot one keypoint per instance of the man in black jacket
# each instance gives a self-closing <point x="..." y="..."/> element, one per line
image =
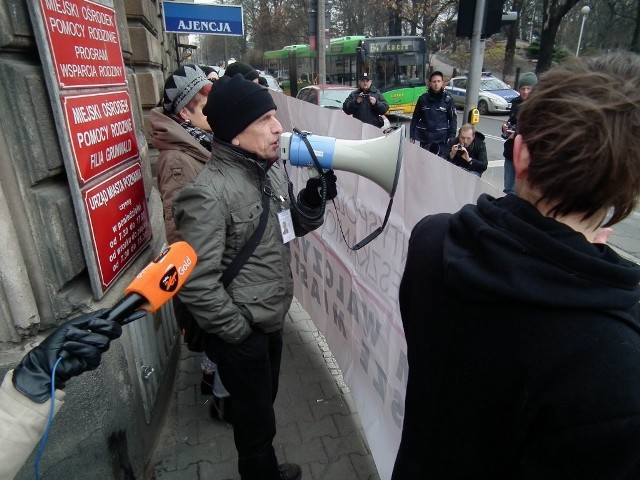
<point x="525" y="84"/>
<point x="523" y="333"/>
<point x="468" y="150"/>
<point x="366" y="103"/>
<point x="434" y="120"/>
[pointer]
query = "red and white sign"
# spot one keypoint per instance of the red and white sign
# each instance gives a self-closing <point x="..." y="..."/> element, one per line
<point x="84" y="43"/>
<point x="101" y="130"/>
<point x="118" y="221"/>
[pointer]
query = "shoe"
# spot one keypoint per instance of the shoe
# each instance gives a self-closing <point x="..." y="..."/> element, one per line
<point x="206" y="385"/>
<point x="290" y="471"/>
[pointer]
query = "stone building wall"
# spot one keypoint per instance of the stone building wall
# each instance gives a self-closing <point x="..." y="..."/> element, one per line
<point x="111" y="416"/>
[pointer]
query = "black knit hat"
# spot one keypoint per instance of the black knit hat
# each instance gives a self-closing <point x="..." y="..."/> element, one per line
<point x="181" y="86"/>
<point x="233" y="104"/>
<point x="236" y="67"/>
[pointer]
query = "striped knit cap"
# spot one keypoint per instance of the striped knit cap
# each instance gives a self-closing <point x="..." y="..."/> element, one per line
<point x="181" y="86"/>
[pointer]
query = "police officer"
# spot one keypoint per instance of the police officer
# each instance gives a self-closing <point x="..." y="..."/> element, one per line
<point x="366" y="103"/>
<point x="434" y="119"/>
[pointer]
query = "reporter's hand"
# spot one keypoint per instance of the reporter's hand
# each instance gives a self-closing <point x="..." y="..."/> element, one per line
<point x="80" y="341"/>
<point x="310" y="194"/>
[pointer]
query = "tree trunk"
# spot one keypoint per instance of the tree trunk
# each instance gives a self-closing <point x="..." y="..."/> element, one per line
<point x="509" y="51"/>
<point x="395" y="24"/>
<point x="635" y="41"/>
<point x="512" y="37"/>
<point x="553" y="11"/>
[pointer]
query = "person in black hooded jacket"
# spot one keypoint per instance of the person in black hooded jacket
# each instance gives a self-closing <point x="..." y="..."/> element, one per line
<point x="523" y="332"/>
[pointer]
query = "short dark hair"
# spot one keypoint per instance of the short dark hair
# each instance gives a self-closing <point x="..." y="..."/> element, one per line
<point x="436" y="73"/>
<point x="580" y="125"/>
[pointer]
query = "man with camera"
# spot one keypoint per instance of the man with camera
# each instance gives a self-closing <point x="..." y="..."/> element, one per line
<point x="468" y="150"/>
<point x="366" y="103"/>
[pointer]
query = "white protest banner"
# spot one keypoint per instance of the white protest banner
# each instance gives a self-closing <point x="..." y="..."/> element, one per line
<point x="352" y="296"/>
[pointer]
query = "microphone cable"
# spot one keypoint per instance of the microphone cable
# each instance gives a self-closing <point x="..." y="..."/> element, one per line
<point x="43" y="442"/>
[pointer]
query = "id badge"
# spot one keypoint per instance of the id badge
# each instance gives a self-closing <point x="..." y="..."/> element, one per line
<point x="286" y="225"/>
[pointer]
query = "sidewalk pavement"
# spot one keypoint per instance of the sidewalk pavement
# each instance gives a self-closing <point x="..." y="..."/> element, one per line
<point x="317" y="424"/>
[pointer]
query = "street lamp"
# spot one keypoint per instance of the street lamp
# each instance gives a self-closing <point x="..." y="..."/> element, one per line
<point x="584" y="11"/>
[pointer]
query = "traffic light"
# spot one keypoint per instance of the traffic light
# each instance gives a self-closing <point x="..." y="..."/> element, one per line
<point x="493" y="19"/>
<point x="466" y="13"/>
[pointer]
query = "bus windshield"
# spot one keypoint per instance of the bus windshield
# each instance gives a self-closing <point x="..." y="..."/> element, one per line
<point x="397" y="68"/>
<point x="394" y="62"/>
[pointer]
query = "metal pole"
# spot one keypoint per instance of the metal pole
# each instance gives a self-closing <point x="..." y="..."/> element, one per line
<point x="321" y="42"/>
<point x="584" y="11"/>
<point x="584" y="17"/>
<point x="224" y="44"/>
<point x="477" y="59"/>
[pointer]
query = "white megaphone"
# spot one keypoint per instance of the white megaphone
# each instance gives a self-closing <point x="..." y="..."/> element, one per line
<point x="378" y="159"/>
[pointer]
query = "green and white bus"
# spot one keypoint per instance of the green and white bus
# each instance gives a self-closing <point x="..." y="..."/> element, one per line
<point x="397" y="66"/>
<point x="276" y="63"/>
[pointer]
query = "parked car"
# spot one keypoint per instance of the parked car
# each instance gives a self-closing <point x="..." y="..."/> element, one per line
<point x="494" y="96"/>
<point x="326" y="96"/>
<point x="331" y="96"/>
<point x="272" y="82"/>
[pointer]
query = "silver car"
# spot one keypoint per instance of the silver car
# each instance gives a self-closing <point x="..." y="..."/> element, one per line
<point x="494" y="96"/>
<point x="272" y="82"/>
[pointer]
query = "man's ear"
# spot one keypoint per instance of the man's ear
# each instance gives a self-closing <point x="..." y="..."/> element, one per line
<point x="521" y="157"/>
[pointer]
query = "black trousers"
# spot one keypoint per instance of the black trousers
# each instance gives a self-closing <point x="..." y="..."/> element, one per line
<point x="437" y="148"/>
<point x="250" y="372"/>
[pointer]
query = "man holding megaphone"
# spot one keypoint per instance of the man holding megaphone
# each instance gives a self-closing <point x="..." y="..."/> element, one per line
<point x="241" y="198"/>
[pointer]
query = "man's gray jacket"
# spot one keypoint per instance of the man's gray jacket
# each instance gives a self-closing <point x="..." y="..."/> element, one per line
<point x="216" y="215"/>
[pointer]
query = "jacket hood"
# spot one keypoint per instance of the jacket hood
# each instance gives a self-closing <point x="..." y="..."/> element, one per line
<point x="505" y="250"/>
<point x="167" y="134"/>
<point x="479" y="137"/>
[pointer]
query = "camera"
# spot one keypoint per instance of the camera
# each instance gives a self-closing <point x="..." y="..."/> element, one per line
<point x="508" y="132"/>
<point x="459" y="146"/>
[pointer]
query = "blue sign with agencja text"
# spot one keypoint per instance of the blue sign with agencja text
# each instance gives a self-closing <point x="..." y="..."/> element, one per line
<point x="203" y="19"/>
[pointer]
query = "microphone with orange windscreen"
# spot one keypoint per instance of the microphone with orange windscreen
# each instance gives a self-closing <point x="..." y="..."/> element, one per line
<point x="156" y="284"/>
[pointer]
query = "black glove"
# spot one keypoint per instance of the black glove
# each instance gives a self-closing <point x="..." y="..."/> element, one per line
<point x="310" y="195"/>
<point x="81" y="341"/>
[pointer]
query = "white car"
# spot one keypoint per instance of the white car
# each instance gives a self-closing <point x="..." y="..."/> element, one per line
<point x="494" y="96"/>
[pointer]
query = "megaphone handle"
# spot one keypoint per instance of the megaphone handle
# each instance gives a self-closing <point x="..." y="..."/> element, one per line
<point x="312" y="154"/>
